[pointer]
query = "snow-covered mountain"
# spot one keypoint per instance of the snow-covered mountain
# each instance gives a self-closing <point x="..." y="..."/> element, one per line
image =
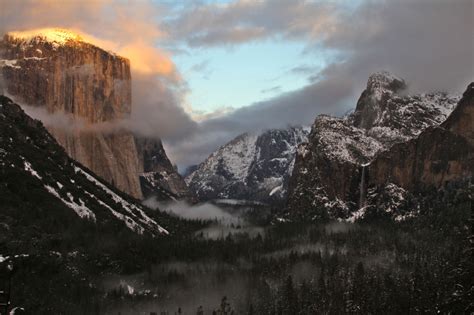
<point x="37" y="177"/>
<point x="252" y="167"/>
<point x="330" y="168"/>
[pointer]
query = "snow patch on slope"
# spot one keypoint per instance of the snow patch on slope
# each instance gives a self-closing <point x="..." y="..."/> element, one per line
<point x="134" y="211"/>
<point x="30" y="169"/>
<point x="81" y="209"/>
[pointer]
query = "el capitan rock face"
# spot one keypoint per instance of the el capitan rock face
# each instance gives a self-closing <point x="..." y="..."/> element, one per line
<point x="55" y="70"/>
<point x="86" y="82"/>
<point x="333" y="170"/>
<point x="72" y="77"/>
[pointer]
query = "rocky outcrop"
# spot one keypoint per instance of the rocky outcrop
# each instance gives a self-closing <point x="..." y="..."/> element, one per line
<point x="252" y="167"/>
<point x="438" y="156"/>
<point x="331" y="171"/>
<point x="375" y="99"/>
<point x="159" y="177"/>
<point x="57" y="71"/>
<point x="461" y="120"/>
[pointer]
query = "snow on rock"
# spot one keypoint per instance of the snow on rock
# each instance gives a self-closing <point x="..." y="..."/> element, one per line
<point x="328" y="165"/>
<point x="9" y="63"/>
<point x="275" y="190"/>
<point x="53" y="35"/>
<point x="134" y="212"/>
<point x="344" y="142"/>
<point x="80" y="208"/>
<point x="129" y="222"/>
<point x="48" y="170"/>
<point x="29" y="169"/>
<point x="249" y="167"/>
<point x="357" y="215"/>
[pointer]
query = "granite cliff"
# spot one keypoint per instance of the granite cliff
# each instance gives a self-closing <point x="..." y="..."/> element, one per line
<point x="56" y="71"/>
<point x="333" y="170"/>
<point x="438" y="156"/>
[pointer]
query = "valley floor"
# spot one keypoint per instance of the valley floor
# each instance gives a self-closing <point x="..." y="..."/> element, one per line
<point x="421" y="265"/>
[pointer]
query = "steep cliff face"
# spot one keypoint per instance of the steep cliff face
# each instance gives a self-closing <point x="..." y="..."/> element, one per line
<point x="159" y="177"/>
<point x="438" y="156"/>
<point x="331" y="170"/>
<point x="461" y="120"/>
<point x="253" y="167"/>
<point x="56" y="70"/>
<point x="67" y="74"/>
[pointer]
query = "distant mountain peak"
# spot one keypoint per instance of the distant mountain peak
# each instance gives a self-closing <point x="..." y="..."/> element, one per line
<point x="252" y="166"/>
<point x="331" y="167"/>
<point x="384" y="80"/>
<point x="381" y="105"/>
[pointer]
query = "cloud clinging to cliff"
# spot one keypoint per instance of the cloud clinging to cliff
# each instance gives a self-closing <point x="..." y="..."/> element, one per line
<point x="130" y="30"/>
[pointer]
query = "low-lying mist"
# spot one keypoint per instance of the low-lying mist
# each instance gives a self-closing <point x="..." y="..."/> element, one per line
<point x="202" y="211"/>
<point x="254" y="272"/>
<point x="223" y="223"/>
<point x="186" y="285"/>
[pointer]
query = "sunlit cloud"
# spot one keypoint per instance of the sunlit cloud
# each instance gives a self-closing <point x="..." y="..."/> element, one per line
<point x="405" y="37"/>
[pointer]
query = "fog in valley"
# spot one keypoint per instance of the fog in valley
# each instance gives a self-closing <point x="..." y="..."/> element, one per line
<point x="189" y="284"/>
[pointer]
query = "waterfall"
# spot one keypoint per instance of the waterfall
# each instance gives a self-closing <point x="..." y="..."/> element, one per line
<point x="362" y="187"/>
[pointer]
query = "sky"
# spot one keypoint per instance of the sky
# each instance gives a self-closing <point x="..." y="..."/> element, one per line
<point x="206" y="71"/>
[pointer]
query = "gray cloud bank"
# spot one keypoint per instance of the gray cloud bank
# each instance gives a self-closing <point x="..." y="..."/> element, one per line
<point x="427" y="42"/>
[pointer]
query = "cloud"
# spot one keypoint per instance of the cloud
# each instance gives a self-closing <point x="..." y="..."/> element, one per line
<point x="200" y="67"/>
<point x="428" y="43"/>
<point x="243" y="21"/>
<point x="131" y="31"/>
<point x="157" y="109"/>
<point x="294" y="108"/>
<point x="204" y="211"/>
<point x="273" y="89"/>
<point x="304" y="70"/>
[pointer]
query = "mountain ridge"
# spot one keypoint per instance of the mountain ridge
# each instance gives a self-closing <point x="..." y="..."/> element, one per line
<point x="329" y="168"/>
<point x="32" y="160"/>
<point x="252" y="167"/>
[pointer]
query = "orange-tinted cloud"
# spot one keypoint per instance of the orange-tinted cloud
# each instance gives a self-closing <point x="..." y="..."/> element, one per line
<point x="148" y="60"/>
<point x="129" y="30"/>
